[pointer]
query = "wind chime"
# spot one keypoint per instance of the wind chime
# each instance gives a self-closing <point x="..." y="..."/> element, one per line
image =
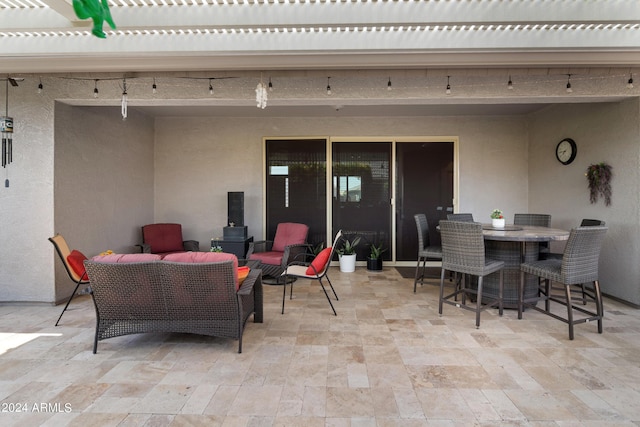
<point x="6" y="127"/>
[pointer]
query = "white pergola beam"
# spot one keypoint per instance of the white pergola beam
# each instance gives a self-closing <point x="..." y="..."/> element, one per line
<point x="321" y="15"/>
<point x="259" y="33"/>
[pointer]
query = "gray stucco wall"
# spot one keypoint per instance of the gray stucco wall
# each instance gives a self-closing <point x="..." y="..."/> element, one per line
<point x="103" y="184"/>
<point x="603" y="132"/>
<point x="217" y="155"/>
<point x="126" y="174"/>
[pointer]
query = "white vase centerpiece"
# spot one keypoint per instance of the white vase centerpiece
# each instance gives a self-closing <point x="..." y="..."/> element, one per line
<point x="497" y="219"/>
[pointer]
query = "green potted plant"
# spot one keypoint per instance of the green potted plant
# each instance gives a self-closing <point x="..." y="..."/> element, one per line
<point x="347" y="255"/>
<point x="497" y="219"/>
<point x="374" y="260"/>
<point x="599" y="178"/>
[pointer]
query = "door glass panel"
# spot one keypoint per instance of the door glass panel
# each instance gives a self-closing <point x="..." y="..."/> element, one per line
<point x="362" y="193"/>
<point x="424" y="185"/>
<point x="296" y="186"/>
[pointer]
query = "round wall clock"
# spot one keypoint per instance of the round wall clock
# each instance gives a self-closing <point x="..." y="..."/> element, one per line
<point x="566" y="151"/>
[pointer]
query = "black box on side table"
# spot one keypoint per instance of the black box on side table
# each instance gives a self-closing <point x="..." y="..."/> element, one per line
<point x="235" y="233"/>
<point x="238" y="247"/>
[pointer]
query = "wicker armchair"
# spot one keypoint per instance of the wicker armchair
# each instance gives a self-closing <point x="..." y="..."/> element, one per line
<point x="579" y="265"/>
<point x="165" y="238"/>
<point x="425" y="250"/>
<point x="463" y="252"/>
<point x="274" y="255"/>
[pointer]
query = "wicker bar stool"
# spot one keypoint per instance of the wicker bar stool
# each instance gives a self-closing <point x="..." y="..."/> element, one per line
<point x="463" y="252"/>
<point x="425" y="250"/>
<point x="584" y="223"/>
<point x="540" y="220"/>
<point x="579" y="265"/>
<point x="466" y="217"/>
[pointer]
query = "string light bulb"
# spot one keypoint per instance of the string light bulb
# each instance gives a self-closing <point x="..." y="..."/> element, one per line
<point x="510" y="84"/>
<point x="630" y="82"/>
<point x="328" y="86"/>
<point x="569" y="89"/>
<point x="270" y="85"/>
<point x="40" y="87"/>
<point x="95" y="88"/>
<point x="154" y="87"/>
<point x="389" y="84"/>
<point x="448" y="90"/>
<point x="124" y="99"/>
<point x="210" y="88"/>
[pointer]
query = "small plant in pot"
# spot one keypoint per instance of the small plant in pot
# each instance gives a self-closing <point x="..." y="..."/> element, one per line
<point x="347" y="255"/>
<point x="374" y="261"/>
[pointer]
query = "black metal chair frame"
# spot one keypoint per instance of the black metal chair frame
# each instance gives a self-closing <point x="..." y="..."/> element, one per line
<point x="58" y="241"/>
<point x="297" y="269"/>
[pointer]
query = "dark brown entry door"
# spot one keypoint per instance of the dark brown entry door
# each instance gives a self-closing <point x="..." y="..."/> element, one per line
<point x="424" y="185"/>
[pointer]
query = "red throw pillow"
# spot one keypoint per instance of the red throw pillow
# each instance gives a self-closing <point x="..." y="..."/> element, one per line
<point x="76" y="262"/>
<point x="319" y="262"/>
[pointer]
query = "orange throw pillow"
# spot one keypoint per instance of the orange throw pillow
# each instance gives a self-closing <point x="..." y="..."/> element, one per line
<point x="243" y="272"/>
<point x="319" y="262"/>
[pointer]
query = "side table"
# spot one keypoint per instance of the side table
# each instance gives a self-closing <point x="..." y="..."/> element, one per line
<point x="238" y="247"/>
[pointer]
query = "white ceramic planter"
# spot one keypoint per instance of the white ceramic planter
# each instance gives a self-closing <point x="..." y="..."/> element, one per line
<point x="347" y="263"/>
<point x="497" y="222"/>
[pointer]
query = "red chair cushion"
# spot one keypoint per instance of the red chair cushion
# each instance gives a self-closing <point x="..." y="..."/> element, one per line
<point x="270" y="258"/>
<point x="289" y="233"/>
<point x="204" y="257"/>
<point x="126" y="258"/>
<point x="76" y="262"/>
<point x="163" y="237"/>
<point x="201" y="257"/>
<point x="319" y="262"/>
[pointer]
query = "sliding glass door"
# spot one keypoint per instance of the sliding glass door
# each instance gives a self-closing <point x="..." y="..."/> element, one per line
<point x="375" y="189"/>
<point x="361" y="193"/>
<point x="296" y="185"/>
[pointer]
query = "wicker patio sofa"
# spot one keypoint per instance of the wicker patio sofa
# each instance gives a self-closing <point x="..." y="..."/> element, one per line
<point x="194" y="295"/>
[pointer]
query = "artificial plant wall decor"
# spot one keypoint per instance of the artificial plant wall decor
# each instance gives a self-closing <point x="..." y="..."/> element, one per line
<point x="599" y="178"/>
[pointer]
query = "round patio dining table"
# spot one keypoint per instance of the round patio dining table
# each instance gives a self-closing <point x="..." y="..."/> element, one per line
<point x="515" y="244"/>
